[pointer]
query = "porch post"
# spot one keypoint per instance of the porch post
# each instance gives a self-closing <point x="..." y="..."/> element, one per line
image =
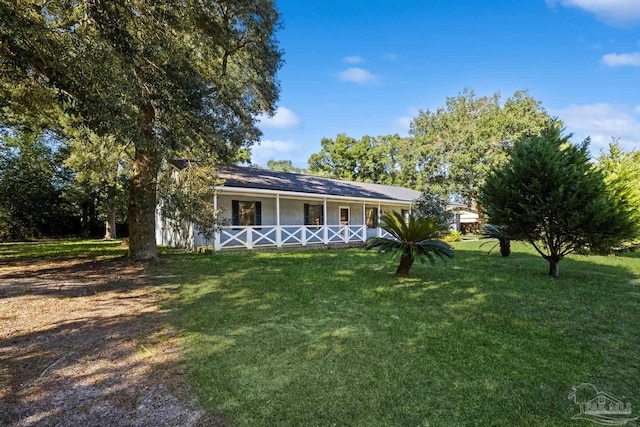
<point x="278" y="230"/>
<point x="249" y="243"/>
<point x="378" y="233"/>
<point x="216" y="236"/>
<point x="364" y="222"/>
<point x="325" y="231"/>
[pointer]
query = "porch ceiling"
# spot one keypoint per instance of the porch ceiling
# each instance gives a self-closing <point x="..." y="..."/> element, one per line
<point x="224" y="190"/>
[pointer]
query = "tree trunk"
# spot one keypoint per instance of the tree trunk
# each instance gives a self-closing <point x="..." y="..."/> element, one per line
<point x="93" y="216"/>
<point x="85" y="222"/>
<point x="405" y="266"/>
<point x="505" y="247"/>
<point x="142" y="196"/>
<point x="110" y="223"/>
<point x="553" y="267"/>
<point x="481" y="218"/>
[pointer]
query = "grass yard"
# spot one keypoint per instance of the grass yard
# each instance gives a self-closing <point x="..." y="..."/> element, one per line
<point x="58" y="249"/>
<point x="331" y="337"/>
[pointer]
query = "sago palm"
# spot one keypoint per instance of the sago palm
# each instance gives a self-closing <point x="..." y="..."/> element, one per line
<point x="415" y="239"/>
<point x="494" y="232"/>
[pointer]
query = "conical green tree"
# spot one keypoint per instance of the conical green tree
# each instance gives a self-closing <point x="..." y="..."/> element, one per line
<point x="415" y="239"/>
<point x="550" y="195"/>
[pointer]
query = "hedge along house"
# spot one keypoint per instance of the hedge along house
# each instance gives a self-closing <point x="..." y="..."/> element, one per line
<point x="262" y="208"/>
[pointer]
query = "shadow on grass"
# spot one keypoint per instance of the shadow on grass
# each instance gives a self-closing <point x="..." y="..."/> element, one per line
<point x="332" y="336"/>
<point x="74" y="278"/>
<point x="83" y="342"/>
<point x="68" y="372"/>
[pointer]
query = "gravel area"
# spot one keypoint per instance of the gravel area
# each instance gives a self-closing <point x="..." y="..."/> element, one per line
<point x="86" y="343"/>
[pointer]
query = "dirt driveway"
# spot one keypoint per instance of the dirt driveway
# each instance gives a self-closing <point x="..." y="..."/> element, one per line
<point x="86" y="343"/>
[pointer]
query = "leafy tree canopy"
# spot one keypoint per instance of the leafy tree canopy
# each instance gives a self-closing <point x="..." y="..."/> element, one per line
<point x="162" y="76"/>
<point x="455" y="146"/>
<point x="433" y="205"/>
<point x="369" y="159"/>
<point x="31" y="187"/>
<point x="283" y="166"/>
<point x="102" y="167"/>
<point x="550" y="195"/>
<point x="622" y="177"/>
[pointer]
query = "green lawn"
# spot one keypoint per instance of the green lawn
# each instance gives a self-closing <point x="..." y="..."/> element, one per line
<point x="72" y="248"/>
<point x="331" y="337"/>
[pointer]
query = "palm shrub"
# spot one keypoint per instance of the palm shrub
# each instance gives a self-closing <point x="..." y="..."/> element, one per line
<point x="413" y="239"/>
<point x="494" y="232"/>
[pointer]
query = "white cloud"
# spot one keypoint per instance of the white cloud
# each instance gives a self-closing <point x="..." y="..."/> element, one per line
<point x="357" y="75"/>
<point x="353" y="59"/>
<point x="621" y="59"/>
<point x="611" y="11"/>
<point x="390" y="56"/>
<point x="269" y="149"/>
<point x="601" y="122"/>
<point x="283" y="118"/>
<point x="403" y="123"/>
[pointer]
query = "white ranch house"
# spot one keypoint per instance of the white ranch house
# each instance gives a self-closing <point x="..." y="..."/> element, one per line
<point x="263" y="208"/>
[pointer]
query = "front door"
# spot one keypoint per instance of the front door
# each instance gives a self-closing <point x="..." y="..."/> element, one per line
<point x="344" y="222"/>
<point x="344" y="215"/>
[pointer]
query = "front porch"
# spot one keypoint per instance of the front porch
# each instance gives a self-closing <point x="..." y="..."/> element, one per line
<point x="250" y="237"/>
<point x="260" y="219"/>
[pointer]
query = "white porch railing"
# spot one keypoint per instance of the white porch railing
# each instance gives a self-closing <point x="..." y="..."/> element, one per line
<point x="287" y="235"/>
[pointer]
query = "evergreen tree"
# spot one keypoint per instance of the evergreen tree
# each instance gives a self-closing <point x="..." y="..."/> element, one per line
<point x="622" y="176"/>
<point x="550" y="195"/>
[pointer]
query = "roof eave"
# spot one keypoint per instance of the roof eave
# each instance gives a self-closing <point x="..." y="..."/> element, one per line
<point x="302" y="195"/>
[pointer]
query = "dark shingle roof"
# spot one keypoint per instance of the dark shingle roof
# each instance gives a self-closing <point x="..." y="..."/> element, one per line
<point x="243" y="177"/>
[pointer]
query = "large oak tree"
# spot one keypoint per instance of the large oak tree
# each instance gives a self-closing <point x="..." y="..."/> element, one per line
<point x="456" y="145"/>
<point x="368" y="159"/>
<point x="164" y="76"/>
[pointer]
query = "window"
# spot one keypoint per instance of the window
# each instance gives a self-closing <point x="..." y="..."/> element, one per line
<point x="371" y="215"/>
<point x="313" y="214"/>
<point x="246" y="213"/>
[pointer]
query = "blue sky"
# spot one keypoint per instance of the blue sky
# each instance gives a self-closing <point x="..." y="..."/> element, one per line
<point x="367" y="67"/>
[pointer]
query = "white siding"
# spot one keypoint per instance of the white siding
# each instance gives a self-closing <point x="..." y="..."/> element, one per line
<point x="170" y="233"/>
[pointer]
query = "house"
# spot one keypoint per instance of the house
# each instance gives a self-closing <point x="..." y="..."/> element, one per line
<point x="465" y="218"/>
<point x="262" y="208"/>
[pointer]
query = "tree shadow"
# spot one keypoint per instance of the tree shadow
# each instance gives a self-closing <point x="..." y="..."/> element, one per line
<point x="88" y="344"/>
<point x="72" y="278"/>
<point x="311" y="333"/>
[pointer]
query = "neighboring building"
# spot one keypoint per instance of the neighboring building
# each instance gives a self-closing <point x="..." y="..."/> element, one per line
<point x="263" y="208"/>
<point x="466" y="219"/>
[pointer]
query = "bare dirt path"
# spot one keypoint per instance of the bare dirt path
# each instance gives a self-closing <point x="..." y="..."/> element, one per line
<point x="86" y="343"/>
